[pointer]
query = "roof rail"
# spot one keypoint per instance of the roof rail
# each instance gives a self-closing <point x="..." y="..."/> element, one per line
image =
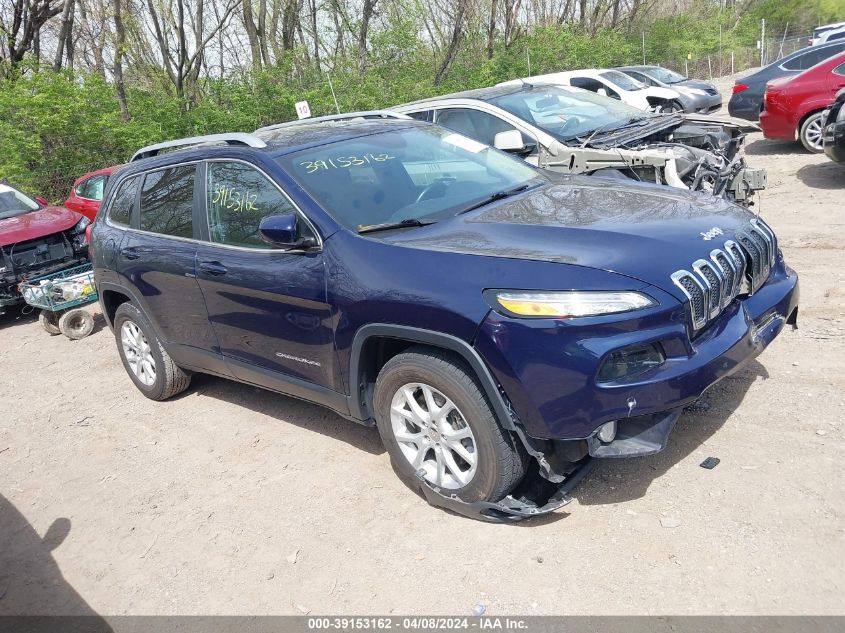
<point x="232" y="138"/>
<point x="347" y="116"/>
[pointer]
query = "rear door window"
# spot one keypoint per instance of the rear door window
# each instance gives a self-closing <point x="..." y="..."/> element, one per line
<point x="167" y="201"/>
<point x="92" y="189"/>
<point x="123" y="202"/>
<point x="812" y="57"/>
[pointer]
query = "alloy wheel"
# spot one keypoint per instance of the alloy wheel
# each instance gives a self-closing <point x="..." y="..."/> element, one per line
<point x="813" y="133"/>
<point x="137" y="352"/>
<point x="433" y="435"/>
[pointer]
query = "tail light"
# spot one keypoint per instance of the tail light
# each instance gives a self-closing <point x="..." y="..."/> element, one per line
<point x="739" y="88"/>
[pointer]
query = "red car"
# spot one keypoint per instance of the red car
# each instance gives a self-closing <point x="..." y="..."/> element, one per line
<point x="796" y="105"/>
<point x="36" y="240"/>
<point x="87" y="192"/>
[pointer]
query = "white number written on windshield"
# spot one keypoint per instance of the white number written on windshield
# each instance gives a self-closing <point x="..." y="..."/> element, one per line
<point x="344" y="162"/>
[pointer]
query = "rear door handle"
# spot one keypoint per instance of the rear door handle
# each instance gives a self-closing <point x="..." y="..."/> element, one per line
<point x="213" y="268"/>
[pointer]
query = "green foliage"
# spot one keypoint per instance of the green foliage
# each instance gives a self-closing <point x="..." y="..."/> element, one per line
<point x="57" y="126"/>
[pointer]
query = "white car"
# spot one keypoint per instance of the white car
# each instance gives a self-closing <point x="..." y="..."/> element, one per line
<point x="828" y="33"/>
<point x="611" y="83"/>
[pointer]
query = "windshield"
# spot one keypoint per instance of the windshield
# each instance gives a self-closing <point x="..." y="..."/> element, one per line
<point x="663" y="74"/>
<point x="13" y="202"/>
<point x="626" y="82"/>
<point x="566" y="113"/>
<point x="419" y="173"/>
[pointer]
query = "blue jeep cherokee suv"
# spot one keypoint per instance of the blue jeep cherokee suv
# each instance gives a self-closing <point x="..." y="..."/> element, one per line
<point x="492" y="320"/>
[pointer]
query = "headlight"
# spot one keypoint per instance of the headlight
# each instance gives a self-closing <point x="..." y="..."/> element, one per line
<point x="80" y="226"/>
<point x="570" y="303"/>
<point x="690" y="92"/>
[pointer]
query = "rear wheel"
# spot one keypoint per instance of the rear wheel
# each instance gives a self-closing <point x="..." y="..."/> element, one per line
<point x="810" y="133"/>
<point x="146" y="361"/>
<point x="434" y="419"/>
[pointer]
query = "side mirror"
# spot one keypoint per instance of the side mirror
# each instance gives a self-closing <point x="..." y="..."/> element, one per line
<point x="283" y="230"/>
<point x="42" y="201"/>
<point x="513" y="142"/>
<point x="602" y="92"/>
<point x="509" y="141"/>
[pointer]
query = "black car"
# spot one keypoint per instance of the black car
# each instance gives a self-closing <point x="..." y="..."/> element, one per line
<point x="747" y="98"/>
<point x="695" y="95"/>
<point x="834" y="129"/>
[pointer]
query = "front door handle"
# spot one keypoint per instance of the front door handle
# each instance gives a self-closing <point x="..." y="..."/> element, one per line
<point x="213" y="268"/>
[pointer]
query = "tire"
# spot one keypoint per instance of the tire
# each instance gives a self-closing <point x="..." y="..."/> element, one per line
<point x="156" y="376"/>
<point x="496" y="461"/>
<point x="76" y="323"/>
<point x="673" y="106"/>
<point x="810" y="133"/>
<point x="50" y="322"/>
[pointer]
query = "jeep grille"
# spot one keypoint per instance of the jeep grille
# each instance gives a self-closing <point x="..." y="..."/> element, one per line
<point x="741" y="267"/>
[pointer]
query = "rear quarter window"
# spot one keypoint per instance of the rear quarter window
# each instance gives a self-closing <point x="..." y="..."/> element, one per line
<point x="120" y="211"/>
<point x="167" y="201"/>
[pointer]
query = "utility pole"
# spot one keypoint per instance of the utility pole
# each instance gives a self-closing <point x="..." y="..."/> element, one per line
<point x="763" y="42"/>
<point x="643" y="48"/>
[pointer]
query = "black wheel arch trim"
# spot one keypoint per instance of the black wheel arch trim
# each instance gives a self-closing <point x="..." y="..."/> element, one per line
<point x="359" y="409"/>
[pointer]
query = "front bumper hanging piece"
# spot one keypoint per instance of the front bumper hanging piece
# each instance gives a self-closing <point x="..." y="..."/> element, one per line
<point x="539" y="497"/>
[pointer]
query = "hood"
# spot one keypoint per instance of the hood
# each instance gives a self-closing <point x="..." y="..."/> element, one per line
<point x="661" y="93"/>
<point x="35" y="224"/>
<point x="645" y="232"/>
<point x="696" y="83"/>
<point x="741" y="124"/>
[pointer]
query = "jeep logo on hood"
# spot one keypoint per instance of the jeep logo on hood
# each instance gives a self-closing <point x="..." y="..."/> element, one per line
<point x="709" y="235"/>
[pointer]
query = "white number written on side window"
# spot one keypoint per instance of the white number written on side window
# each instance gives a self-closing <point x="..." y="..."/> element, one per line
<point x="234" y="199"/>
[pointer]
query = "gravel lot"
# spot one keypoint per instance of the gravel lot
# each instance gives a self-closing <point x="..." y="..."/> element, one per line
<point x="232" y="500"/>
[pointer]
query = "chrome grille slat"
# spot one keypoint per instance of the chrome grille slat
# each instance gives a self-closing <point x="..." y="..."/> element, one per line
<point x="712" y="285"/>
<point x="728" y="270"/>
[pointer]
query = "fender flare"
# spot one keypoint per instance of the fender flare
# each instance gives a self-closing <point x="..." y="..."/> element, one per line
<point x="133" y="298"/>
<point x="435" y="339"/>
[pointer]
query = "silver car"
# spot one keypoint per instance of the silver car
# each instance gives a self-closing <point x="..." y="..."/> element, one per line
<point x="571" y="130"/>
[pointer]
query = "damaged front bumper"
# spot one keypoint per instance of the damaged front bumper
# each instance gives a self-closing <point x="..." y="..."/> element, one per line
<point x="533" y="497"/>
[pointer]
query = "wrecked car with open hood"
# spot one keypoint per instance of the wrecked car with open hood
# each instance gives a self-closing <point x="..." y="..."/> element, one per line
<point x="35" y="240"/>
<point x="571" y="130"/>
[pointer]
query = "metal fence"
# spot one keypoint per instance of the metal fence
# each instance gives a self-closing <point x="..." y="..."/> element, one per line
<point x="729" y="62"/>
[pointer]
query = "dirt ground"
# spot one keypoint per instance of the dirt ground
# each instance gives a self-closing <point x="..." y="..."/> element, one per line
<point x="232" y="500"/>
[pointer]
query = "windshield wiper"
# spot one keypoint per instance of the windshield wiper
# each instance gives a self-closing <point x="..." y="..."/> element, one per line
<point x="386" y="226"/>
<point x="499" y="195"/>
<point x="616" y="126"/>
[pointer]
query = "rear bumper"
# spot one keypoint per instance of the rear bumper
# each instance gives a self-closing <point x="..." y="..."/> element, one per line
<point x="776" y="126"/>
<point x="548" y="370"/>
<point x="834" y="141"/>
<point x="745" y="105"/>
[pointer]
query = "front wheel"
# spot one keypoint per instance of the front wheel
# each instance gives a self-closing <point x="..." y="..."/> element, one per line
<point x="672" y="106"/>
<point x="811" y="133"/>
<point x="146" y="361"/>
<point x="435" y="420"/>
